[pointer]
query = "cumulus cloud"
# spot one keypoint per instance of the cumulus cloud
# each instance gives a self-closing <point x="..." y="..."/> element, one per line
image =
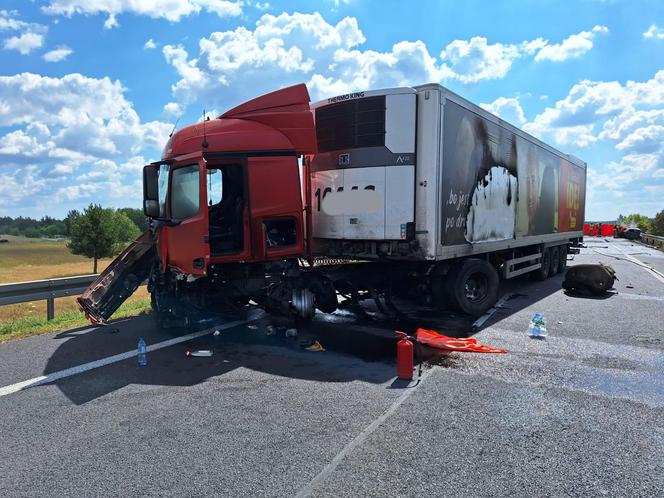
<point x="654" y="32"/>
<point x="9" y="21"/>
<point x="68" y="124"/>
<point x="58" y="54"/>
<point x="25" y="43"/>
<point x="590" y="105"/>
<point x="474" y="60"/>
<point x="31" y="38"/>
<point x="508" y="109"/>
<point x="626" y="116"/>
<point x="572" y="47"/>
<point x="150" y="44"/>
<point x="290" y="48"/>
<point x="171" y="10"/>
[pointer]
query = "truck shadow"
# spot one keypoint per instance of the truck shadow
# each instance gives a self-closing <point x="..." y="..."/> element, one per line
<point x="360" y="345"/>
<point x="245" y="346"/>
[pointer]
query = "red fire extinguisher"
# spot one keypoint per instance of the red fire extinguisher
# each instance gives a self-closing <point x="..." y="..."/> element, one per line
<point x="405" y="361"/>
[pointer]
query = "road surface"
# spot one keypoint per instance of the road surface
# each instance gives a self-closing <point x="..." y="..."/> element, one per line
<point x="581" y="413"/>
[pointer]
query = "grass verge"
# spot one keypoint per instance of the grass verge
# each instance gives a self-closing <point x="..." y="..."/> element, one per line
<point x="33" y="325"/>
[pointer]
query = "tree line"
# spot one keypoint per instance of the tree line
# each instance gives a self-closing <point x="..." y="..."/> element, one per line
<point x="654" y="226"/>
<point x="50" y="227"/>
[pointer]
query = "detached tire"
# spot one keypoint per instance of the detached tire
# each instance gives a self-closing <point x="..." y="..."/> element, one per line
<point x="473" y="286"/>
<point x="543" y="272"/>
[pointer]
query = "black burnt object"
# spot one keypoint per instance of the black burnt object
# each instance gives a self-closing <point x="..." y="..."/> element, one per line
<point x="595" y="279"/>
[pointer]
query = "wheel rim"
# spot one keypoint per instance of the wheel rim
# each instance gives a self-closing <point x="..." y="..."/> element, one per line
<point x="476" y="287"/>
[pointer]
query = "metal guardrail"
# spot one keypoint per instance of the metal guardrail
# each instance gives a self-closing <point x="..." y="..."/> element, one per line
<point x="653" y="240"/>
<point x="38" y="290"/>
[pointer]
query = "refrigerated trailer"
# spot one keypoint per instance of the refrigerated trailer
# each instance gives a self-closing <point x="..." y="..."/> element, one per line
<point x="409" y="191"/>
<point x="422" y="175"/>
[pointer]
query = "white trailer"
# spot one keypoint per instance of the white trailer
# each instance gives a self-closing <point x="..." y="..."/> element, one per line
<point x="422" y="175"/>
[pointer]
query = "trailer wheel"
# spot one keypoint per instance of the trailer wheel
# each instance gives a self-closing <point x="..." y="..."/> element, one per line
<point x="555" y="261"/>
<point x="474" y="286"/>
<point x="562" y="261"/>
<point x="544" y="270"/>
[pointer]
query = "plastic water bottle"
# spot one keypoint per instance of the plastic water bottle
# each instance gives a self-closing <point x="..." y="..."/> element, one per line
<point x="537" y="327"/>
<point x="142" y="355"/>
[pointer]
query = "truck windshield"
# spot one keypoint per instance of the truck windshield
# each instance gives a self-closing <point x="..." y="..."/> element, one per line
<point x="163" y="189"/>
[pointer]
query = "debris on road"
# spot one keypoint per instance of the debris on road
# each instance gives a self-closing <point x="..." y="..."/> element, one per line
<point x="596" y="279"/>
<point x="270" y="330"/>
<point x="142" y="352"/>
<point x="312" y="345"/>
<point x="201" y="353"/>
<point x="537" y="327"/>
<point x="291" y="333"/>
<point x="439" y="341"/>
<point x="216" y="333"/>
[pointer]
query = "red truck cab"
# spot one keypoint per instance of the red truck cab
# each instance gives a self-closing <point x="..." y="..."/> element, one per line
<point x="228" y="189"/>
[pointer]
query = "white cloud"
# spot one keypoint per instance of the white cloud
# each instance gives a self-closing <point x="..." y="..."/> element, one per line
<point x="172" y="10"/>
<point x="173" y="109"/>
<point x="58" y="54"/>
<point x="474" y="60"/>
<point x="72" y="124"/>
<point x="589" y="105"/>
<point x="8" y="21"/>
<point x="150" y="44"/>
<point x="111" y="22"/>
<point x="25" y="43"/>
<point x="647" y="139"/>
<point x="627" y="117"/>
<point x="289" y="48"/>
<point x="572" y="47"/>
<point x="655" y="32"/>
<point x="508" y="109"/>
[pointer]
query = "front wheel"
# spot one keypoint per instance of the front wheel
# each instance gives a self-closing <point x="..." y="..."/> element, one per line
<point x="473" y="286"/>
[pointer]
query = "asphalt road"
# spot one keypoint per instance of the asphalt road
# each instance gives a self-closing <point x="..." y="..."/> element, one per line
<point x="581" y="413"/>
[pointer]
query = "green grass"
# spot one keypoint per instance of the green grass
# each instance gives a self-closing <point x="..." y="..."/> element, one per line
<point x="33" y="325"/>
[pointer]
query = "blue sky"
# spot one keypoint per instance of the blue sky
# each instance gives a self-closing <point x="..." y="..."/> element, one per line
<point x="90" y="89"/>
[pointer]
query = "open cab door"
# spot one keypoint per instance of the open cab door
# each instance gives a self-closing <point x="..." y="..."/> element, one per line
<point x="187" y="232"/>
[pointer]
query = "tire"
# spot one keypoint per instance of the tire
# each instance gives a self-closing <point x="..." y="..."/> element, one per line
<point x="555" y="261"/>
<point x="473" y="287"/>
<point x="562" y="261"/>
<point x="543" y="272"/>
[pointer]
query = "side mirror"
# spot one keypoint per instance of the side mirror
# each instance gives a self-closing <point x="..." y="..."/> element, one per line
<point x="151" y="208"/>
<point x="151" y="191"/>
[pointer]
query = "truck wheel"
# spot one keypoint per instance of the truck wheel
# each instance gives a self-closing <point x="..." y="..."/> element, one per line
<point x="555" y="261"/>
<point x="474" y="286"/>
<point x="562" y="261"/>
<point x="543" y="272"/>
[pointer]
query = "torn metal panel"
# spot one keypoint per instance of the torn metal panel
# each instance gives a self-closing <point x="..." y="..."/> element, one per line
<point x="119" y="280"/>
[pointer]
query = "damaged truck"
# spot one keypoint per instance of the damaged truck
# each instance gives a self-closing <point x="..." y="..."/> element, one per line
<point x="408" y="192"/>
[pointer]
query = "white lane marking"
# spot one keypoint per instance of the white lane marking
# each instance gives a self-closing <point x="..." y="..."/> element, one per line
<point x="359" y="439"/>
<point x="652" y="271"/>
<point x="61" y="374"/>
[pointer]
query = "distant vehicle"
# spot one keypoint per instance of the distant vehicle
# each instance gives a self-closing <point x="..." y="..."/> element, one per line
<point x="632" y="234"/>
<point x="409" y="190"/>
<point x="3" y="241"/>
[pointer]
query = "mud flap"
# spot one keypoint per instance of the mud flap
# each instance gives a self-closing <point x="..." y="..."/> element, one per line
<point x="119" y="280"/>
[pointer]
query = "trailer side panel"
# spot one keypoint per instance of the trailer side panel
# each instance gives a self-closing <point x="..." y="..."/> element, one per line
<point x="497" y="185"/>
